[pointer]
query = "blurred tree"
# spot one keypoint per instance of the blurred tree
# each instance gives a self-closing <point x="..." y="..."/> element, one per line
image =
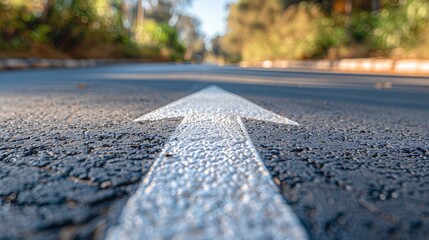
<point x="18" y="19"/>
<point x="152" y="27"/>
<point x="81" y="28"/>
<point x="139" y="21"/>
<point x="71" y="22"/>
<point x="165" y="10"/>
<point x="303" y="32"/>
<point x="48" y="8"/>
<point x="189" y="33"/>
<point x="66" y="25"/>
<point x="216" y="47"/>
<point x="401" y="25"/>
<point x="162" y="39"/>
<point x="326" y="4"/>
<point x="249" y="18"/>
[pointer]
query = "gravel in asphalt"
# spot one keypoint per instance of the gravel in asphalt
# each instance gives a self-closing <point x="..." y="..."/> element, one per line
<point x="351" y="173"/>
<point x="70" y="154"/>
<point x="70" y="158"/>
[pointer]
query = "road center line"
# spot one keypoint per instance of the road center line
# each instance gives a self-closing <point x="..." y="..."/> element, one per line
<point x="209" y="181"/>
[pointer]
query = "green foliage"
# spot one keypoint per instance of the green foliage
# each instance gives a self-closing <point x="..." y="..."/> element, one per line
<point x="14" y="33"/>
<point x="362" y="24"/>
<point x="303" y="32"/>
<point x="76" y="22"/>
<point x="162" y="36"/>
<point x="422" y="49"/>
<point x="40" y="34"/>
<point x="401" y="26"/>
<point x="249" y="19"/>
<point x="83" y="29"/>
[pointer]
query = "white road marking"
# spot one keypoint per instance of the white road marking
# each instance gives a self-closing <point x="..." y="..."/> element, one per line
<point x="209" y="181"/>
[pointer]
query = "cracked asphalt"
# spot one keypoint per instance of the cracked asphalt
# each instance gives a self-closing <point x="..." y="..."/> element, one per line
<point x="70" y="154"/>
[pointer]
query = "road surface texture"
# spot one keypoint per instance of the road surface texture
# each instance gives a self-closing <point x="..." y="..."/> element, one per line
<point x="357" y="166"/>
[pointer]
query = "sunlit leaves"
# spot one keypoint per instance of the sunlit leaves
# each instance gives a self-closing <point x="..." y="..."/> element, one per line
<point x="249" y="18"/>
<point x="160" y="36"/>
<point x="400" y="26"/>
<point x="82" y="28"/>
<point x="303" y="32"/>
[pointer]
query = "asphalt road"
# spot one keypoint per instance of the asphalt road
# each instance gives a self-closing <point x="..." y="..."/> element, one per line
<point x="357" y="167"/>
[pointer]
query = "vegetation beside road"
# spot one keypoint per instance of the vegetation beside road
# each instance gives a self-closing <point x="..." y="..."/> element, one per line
<point x="280" y="30"/>
<point x="258" y="30"/>
<point x="97" y="29"/>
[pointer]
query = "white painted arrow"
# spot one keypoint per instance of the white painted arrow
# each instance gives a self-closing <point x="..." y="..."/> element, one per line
<point x="209" y="181"/>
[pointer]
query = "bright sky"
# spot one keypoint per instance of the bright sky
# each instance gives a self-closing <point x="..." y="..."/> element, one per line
<point x="212" y="14"/>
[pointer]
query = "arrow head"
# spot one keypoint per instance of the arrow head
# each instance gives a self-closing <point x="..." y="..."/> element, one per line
<point x="214" y="101"/>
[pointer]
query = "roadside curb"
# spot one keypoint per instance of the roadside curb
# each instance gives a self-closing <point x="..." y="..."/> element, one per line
<point x="27" y="63"/>
<point x="402" y="66"/>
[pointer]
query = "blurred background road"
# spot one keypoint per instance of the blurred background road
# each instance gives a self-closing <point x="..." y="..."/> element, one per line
<point x="71" y="155"/>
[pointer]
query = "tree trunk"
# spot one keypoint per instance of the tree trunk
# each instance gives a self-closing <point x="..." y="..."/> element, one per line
<point x="348" y="11"/>
<point x="139" y="21"/>
<point x="47" y="11"/>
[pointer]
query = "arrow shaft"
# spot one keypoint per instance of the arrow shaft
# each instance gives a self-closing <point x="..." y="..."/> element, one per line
<point x="208" y="182"/>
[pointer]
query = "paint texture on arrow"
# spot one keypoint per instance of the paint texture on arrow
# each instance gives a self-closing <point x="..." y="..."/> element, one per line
<point x="209" y="181"/>
<point x="214" y="101"/>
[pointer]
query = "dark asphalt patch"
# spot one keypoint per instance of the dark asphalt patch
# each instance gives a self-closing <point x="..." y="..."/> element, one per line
<point x="350" y="172"/>
<point x="69" y="161"/>
<point x="357" y="167"/>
